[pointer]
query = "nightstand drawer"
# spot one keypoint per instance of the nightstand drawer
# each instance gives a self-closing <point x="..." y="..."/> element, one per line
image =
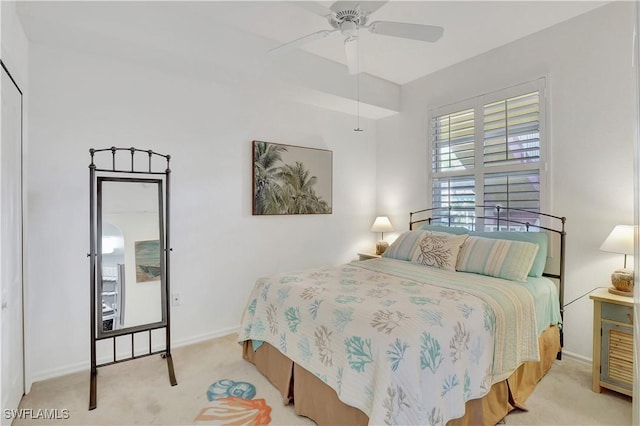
<point x="617" y="313"/>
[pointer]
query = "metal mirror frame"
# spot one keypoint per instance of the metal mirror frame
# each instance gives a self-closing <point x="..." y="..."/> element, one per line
<point x="116" y="172"/>
<point x="99" y="278"/>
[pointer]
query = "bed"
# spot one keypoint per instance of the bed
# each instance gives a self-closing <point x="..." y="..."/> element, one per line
<point x="451" y="326"/>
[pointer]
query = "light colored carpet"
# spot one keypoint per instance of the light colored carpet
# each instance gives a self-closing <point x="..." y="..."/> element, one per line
<point x="138" y="392"/>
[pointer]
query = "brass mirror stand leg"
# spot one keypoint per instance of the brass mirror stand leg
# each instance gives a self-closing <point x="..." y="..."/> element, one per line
<point x="172" y="374"/>
<point x="93" y="390"/>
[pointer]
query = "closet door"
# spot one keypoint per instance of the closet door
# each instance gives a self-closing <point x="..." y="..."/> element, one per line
<point x="12" y="346"/>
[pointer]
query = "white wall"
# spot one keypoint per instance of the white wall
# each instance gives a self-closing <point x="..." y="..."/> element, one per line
<point x="14" y="44"/>
<point x="588" y="64"/>
<point x="81" y="101"/>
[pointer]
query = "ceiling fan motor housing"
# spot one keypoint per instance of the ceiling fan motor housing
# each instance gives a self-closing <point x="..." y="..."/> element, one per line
<point x="348" y="20"/>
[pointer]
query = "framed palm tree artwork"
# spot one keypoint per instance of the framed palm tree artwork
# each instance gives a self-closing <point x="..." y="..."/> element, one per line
<point x="291" y="179"/>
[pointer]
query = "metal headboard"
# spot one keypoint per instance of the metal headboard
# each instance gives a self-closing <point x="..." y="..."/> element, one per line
<point x="446" y="216"/>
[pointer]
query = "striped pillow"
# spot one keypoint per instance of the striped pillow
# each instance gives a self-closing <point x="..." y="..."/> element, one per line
<point x="511" y="260"/>
<point x="402" y="248"/>
<point x="539" y="238"/>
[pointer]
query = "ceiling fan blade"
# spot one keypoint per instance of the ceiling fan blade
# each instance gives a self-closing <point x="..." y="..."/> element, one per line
<point x="405" y="30"/>
<point x="302" y="40"/>
<point x="351" y="51"/>
<point x="367" y="6"/>
<point x="314" y="7"/>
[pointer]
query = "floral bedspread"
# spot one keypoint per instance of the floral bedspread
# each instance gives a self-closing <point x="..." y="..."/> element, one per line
<point x="404" y="343"/>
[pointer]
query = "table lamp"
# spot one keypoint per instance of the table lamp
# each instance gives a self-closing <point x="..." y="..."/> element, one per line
<point x="382" y="225"/>
<point x="620" y="240"/>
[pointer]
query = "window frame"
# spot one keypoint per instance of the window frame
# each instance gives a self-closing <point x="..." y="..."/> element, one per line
<point x="480" y="170"/>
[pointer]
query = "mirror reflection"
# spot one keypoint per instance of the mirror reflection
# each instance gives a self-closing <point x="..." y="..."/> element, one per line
<point x="130" y="256"/>
<point x="113" y="288"/>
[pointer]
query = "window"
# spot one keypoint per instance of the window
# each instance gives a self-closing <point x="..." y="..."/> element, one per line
<point x="487" y="151"/>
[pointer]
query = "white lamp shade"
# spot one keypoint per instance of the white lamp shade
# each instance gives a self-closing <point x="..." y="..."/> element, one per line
<point x="620" y="240"/>
<point x="382" y="224"/>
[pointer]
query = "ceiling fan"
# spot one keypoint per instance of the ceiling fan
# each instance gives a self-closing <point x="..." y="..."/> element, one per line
<point x="348" y="17"/>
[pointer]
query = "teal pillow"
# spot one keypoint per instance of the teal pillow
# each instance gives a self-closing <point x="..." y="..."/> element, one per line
<point x="539" y="238"/>
<point x="457" y="230"/>
<point x="507" y="259"/>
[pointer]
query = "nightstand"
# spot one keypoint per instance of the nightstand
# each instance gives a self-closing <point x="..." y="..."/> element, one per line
<point x="612" y="342"/>
<point x="365" y="256"/>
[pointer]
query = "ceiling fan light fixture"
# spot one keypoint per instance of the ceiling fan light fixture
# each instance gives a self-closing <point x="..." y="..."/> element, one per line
<point x="348" y="28"/>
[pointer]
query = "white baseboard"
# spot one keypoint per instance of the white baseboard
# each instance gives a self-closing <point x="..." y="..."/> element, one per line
<point x="86" y="365"/>
<point x="60" y="371"/>
<point x="203" y="337"/>
<point x="577" y="357"/>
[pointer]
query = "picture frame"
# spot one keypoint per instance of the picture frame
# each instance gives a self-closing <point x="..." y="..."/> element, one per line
<point x="147" y="257"/>
<point x="289" y="179"/>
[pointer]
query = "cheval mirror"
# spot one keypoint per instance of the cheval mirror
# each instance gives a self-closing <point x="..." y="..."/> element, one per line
<point x="129" y="258"/>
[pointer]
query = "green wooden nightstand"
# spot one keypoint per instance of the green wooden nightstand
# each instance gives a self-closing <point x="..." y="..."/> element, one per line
<point x="612" y="342"/>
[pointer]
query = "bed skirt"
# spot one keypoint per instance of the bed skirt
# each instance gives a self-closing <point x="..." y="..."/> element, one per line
<point x="314" y="399"/>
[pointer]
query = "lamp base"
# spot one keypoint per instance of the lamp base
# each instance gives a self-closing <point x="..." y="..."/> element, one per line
<point x="381" y="246"/>
<point x="620" y="292"/>
<point x="622" y="282"/>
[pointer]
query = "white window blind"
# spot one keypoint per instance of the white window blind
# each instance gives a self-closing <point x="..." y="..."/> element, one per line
<point x="512" y="130"/>
<point x="454" y="141"/>
<point x="489" y="153"/>
<point x="517" y="190"/>
<point x="457" y="192"/>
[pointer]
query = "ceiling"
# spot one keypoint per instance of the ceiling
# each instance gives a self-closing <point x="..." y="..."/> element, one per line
<point x="471" y="27"/>
<point x="229" y="40"/>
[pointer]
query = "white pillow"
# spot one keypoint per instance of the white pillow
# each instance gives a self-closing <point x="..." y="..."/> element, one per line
<point x="438" y="249"/>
